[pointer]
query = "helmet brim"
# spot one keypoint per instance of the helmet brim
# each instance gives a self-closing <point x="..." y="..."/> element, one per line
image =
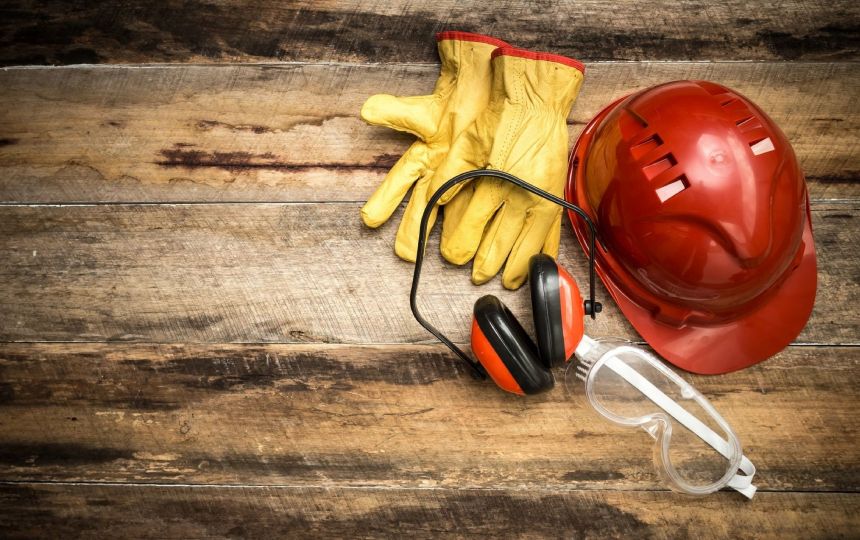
<point x="705" y="349"/>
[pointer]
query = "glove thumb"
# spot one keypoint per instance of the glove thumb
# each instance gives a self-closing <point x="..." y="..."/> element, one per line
<point x="416" y="115"/>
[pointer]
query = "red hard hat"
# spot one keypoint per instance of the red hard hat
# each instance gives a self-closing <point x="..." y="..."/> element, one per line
<point x="705" y="240"/>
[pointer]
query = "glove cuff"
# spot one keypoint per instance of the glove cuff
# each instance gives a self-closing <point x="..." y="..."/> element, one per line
<point x="532" y="55"/>
<point x="469" y="36"/>
<point x="543" y="81"/>
<point x="465" y="59"/>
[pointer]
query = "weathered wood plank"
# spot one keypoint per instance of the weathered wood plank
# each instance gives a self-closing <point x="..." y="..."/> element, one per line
<point x="292" y="132"/>
<point x="89" y="511"/>
<point x="408" y="415"/>
<point x="287" y="273"/>
<point x="56" y="32"/>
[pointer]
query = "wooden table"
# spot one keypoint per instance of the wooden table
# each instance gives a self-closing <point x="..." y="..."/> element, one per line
<point x="200" y="339"/>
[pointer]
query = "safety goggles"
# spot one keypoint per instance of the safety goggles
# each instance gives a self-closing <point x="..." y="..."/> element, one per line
<point x="696" y="452"/>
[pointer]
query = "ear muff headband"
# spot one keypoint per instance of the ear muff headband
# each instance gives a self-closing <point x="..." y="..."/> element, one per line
<point x="592" y="307"/>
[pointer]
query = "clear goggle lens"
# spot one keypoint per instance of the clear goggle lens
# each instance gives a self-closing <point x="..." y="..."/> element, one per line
<point x="696" y="450"/>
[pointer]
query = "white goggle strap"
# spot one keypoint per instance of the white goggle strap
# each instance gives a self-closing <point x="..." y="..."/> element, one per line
<point x="740" y="482"/>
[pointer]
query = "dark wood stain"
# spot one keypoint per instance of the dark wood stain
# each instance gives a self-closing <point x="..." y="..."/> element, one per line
<point x="78" y="55"/>
<point x="331" y="512"/>
<point x="591" y="476"/>
<point x="385" y="161"/>
<point x="850" y="178"/>
<point x="424" y="515"/>
<point x="206" y="125"/>
<point x="818" y="43"/>
<point x="7" y="393"/>
<point x="55" y="32"/>
<point x="240" y="161"/>
<point x="65" y="454"/>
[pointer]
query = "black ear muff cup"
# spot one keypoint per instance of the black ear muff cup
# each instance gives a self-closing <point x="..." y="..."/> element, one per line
<point x="512" y="344"/>
<point x="546" y="309"/>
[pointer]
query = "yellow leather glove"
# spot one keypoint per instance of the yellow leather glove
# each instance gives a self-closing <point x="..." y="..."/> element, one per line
<point x="461" y="93"/>
<point x="522" y="131"/>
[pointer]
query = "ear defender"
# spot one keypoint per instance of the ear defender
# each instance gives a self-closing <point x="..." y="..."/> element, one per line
<point x="558" y="309"/>
<point x="506" y="351"/>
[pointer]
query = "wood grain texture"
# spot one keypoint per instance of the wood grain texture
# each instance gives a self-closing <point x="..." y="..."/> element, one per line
<point x="292" y="132"/>
<point x="94" y="511"/>
<point x="56" y="32"/>
<point x="288" y="273"/>
<point x="332" y="413"/>
<point x="407" y="416"/>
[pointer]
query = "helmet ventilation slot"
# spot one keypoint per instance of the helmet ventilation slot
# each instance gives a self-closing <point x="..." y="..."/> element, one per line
<point x="659" y="165"/>
<point x="762" y="146"/>
<point x="673" y="188"/>
<point x="748" y="124"/>
<point x="738" y="110"/>
<point x="645" y="146"/>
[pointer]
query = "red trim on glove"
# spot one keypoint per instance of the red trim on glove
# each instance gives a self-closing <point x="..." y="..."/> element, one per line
<point x="548" y="57"/>
<point x="468" y="36"/>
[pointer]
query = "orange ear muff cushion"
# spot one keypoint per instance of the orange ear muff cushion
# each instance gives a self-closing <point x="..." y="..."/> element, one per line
<point x="496" y="369"/>
<point x="505" y="350"/>
<point x="572" y="312"/>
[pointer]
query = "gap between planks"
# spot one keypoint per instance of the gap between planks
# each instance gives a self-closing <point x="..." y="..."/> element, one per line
<point x="406" y="197"/>
<point x="393" y="344"/>
<point x="383" y="487"/>
<point x="287" y="64"/>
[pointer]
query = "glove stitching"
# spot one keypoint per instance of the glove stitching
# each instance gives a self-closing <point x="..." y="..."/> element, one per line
<point x="455" y="68"/>
<point x="514" y="126"/>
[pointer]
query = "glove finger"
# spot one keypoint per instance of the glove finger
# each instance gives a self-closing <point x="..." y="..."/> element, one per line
<point x="465" y="154"/>
<point x="553" y="239"/>
<point x="417" y="114"/>
<point x="538" y="229"/>
<point x="460" y="246"/>
<point x="391" y="191"/>
<point x="498" y="240"/>
<point x="456" y="209"/>
<point x="406" y="242"/>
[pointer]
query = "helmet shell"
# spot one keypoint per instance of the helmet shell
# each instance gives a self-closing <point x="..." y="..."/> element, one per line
<point x="702" y="215"/>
